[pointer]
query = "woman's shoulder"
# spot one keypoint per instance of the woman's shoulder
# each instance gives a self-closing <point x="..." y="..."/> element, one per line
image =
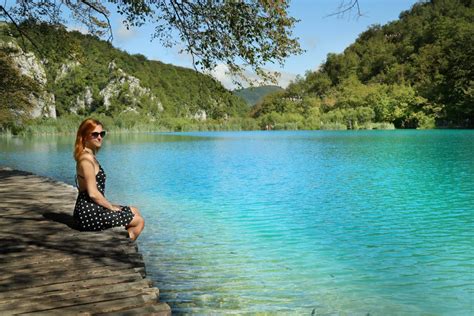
<point x="85" y="158"/>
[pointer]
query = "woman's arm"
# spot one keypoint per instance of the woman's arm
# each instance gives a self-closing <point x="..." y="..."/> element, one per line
<point x="86" y="168"/>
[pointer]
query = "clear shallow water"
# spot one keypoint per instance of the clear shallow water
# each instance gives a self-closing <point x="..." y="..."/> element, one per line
<point x="377" y="222"/>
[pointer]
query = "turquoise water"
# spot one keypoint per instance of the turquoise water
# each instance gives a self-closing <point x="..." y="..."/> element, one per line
<point x="345" y="223"/>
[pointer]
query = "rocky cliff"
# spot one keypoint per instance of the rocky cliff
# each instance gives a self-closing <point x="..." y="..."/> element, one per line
<point x="80" y="74"/>
<point x="42" y="103"/>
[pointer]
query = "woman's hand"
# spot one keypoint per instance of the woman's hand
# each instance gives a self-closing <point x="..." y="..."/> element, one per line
<point x="116" y="208"/>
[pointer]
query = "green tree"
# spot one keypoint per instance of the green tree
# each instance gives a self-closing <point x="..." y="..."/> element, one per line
<point x="235" y="33"/>
<point x="411" y="72"/>
<point x="15" y="92"/>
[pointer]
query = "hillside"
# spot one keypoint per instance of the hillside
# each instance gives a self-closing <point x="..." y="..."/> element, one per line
<point x="253" y="95"/>
<point x="70" y="73"/>
<point x="415" y="72"/>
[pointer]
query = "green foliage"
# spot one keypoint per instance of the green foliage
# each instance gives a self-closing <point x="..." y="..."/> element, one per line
<point x="67" y="124"/>
<point x="415" y="72"/>
<point x="273" y="102"/>
<point x="15" y="91"/>
<point x="253" y="95"/>
<point x="234" y="33"/>
<point x="333" y="126"/>
<point x="75" y="63"/>
<point x="382" y="125"/>
<point x="285" y="121"/>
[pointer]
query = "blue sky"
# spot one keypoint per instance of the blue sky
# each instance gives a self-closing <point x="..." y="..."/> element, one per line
<point x="318" y="34"/>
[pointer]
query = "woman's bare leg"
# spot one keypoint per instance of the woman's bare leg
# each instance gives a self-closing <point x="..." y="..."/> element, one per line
<point x="136" y="225"/>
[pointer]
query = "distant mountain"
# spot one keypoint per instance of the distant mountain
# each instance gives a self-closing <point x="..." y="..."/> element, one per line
<point x="253" y="95"/>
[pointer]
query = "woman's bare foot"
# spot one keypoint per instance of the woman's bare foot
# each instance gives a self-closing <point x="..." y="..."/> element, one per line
<point x="131" y="234"/>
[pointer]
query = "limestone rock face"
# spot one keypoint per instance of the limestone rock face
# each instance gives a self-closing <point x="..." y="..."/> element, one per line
<point x="200" y="115"/>
<point x="130" y="109"/>
<point x="120" y="84"/>
<point x="83" y="101"/>
<point x="65" y="69"/>
<point x="122" y="81"/>
<point x="43" y="104"/>
<point x="27" y="63"/>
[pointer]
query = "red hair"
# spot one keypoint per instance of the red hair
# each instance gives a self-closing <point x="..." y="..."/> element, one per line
<point x="86" y="127"/>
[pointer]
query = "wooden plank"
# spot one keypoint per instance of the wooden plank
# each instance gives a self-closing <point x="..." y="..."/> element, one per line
<point x="61" y="265"/>
<point x="47" y="305"/>
<point x="68" y="286"/>
<point x="43" y="277"/>
<point x="48" y="267"/>
<point x="108" y="306"/>
<point x="24" y="286"/>
<point x="68" y="294"/>
<point x="157" y="309"/>
<point x="119" y="263"/>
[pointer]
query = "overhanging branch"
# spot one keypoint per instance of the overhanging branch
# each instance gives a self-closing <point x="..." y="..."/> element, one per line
<point x="22" y="34"/>
<point x="90" y="5"/>
<point x="344" y="9"/>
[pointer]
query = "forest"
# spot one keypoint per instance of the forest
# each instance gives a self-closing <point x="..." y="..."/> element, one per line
<point x="415" y="72"/>
<point x="140" y="93"/>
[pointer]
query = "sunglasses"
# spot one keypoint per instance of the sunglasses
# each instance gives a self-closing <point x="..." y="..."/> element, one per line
<point x="96" y="134"/>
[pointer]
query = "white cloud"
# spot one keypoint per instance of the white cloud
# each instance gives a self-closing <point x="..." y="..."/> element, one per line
<point x="286" y="78"/>
<point x="221" y="73"/>
<point x="80" y="28"/>
<point x="124" y="34"/>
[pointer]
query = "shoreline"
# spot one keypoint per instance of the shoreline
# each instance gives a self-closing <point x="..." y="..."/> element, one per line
<point x="118" y="131"/>
<point x="48" y="266"/>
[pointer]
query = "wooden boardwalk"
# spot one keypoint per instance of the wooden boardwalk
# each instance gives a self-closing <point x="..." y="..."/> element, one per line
<point x="47" y="267"/>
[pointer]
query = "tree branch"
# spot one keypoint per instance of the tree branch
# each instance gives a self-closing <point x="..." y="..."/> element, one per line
<point x="349" y="7"/>
<point x="185" y="34"/>
<point x="87" y="3"/>
<point x="22" y="34"/>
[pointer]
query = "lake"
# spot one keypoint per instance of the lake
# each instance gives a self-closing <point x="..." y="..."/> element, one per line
<point x="322" y="222"/>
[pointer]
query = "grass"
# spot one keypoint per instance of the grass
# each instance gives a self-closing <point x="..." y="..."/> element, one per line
<point x="133" y="123"/>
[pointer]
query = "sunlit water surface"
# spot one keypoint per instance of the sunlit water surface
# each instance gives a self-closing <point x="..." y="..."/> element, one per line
<point x="349" y="223"/>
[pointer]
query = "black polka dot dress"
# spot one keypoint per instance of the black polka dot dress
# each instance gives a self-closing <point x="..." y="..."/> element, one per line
<point x="90" y="216"/>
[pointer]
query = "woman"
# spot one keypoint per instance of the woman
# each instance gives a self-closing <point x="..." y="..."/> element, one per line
<point x="93" y="211"/>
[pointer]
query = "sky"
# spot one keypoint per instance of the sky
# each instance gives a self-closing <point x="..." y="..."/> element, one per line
<point x="318" y="33"/>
